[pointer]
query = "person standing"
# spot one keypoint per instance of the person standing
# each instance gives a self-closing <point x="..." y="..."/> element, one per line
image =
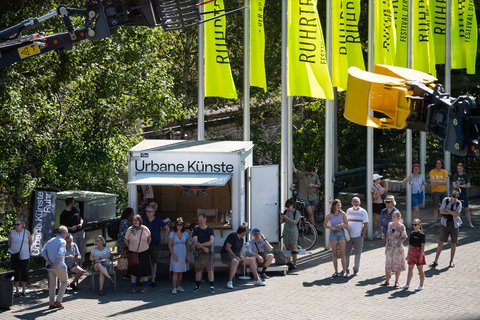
<point x="203" y="237"/>
<point x="451" y="222"/>
<point x="125" y="223"/>
<point x="155" y="225"/>
<point x="394" y="249"/>
<point x="137" y="239"/>
<point x="308" y="185"/>
<point x="19" y="243"/>
<point x="73" y="220"/>
<point x="357" y="227"/>
<point x="336" y="221"/>
<point x="54" y="254"/>
<point x="416" y="254"/>
<point x="290" y="218"/>
<point x="438" y="187"/>
<point x="379" y="193"/>
<point x="387" y="213"/>
<point x="461" y="181"/>
<point x="178" y="243"/>
<point x="417" y="181"/>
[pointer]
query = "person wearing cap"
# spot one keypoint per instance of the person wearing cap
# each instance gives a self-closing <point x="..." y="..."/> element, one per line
<point x="259" y="248"/>
<point x="155" y="225"/>
<point x="378" y="195"/>
<point x="308" y="185"/>
<point x="461" y="181"/>
<point x="417" y="181"/>
<point x="386" y="214"/>
<point x="438" y="187"/>
<point x="450" y="210"/>
<point x="231" y="254"/>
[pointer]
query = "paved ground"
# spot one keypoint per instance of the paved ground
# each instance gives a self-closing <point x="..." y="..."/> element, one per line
<point x="309" y="292"/>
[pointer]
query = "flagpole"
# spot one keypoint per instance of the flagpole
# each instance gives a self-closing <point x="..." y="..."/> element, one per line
<point x="201" y="81"/>
<point x="284" y="187"/>
<point x="246" y="72"/>
<point x="448" y="80"/>
<point x="408" y="134"/>
<point x="370" y="136"/>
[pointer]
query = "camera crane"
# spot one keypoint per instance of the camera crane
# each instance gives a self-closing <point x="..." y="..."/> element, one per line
<point x="402" y="98"/>
<point x="101" y="19"/>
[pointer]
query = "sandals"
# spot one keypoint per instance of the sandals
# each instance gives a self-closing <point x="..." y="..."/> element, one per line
<point x="451" y="265"/>
<point x="385" y="284"/>
<point x="335" y="275"/>
<point x="433" y="264"/>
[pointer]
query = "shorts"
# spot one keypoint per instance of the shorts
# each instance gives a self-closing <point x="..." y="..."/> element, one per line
<point x="378" y="207"/>
<point x="20" y="270"/>
<point x="226" y="259"/>
<point x="203" y="260"/>
<point x="154" y="252"/>
<point x="417" y="199"/>
<point x="336" y="235"/>
<point x="310" y="203"/>
<point x="464" y="198"/>
<point x="437" y="198"/>
<point x="70" y="267"/>
<point x="449" y="230"/>
<point x="415" y="255"/>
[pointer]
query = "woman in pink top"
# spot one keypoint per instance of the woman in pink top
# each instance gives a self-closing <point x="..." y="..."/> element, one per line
<point x="137" y="239"/>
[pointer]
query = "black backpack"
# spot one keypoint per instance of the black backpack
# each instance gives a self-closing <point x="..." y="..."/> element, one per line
<point x="113" y="227"/>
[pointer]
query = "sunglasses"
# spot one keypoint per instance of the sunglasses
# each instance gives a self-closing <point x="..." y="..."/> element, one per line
<point x="18" y="224"/>
<point x="415" y="224"/>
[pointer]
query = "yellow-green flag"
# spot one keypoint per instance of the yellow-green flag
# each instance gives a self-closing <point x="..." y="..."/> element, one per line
<point x="346" y="44"/>
<point x="458" y="34"/>
<point x="218" y="75"/>
<point x="471" y="36"/>
<point x="307" y="70"/>
<point x="423" y="55"/>
<point x="400" y="11"/>
<point x="385" y="32"/>
<point x="438" y="13"/>
<point x="257" y="45"/>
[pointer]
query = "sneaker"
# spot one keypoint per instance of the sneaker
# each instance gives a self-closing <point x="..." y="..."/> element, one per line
<point x="259" y="282"/>
<point x="212" y="289"/>
<point x="196" y="290"/>
<point x="376" y="235"/>
<point x="381" y="236"/>
<point x="230" y="285"/>
<point x="405" y="286"/>
<point x="264" y="276"/>
<point x="174" y="291"/>
<point x="180" y="289"/>
<point x="472" y="226"/>
<point x="419" y="288"/>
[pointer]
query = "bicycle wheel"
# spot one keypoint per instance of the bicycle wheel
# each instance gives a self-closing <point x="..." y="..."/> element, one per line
<point x="307" y="235"/>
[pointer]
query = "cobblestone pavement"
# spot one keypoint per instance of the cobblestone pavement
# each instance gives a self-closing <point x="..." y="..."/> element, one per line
<point x="450" y="293"/>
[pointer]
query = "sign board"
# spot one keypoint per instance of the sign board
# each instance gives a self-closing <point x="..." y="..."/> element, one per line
<point x="42" y="219"/>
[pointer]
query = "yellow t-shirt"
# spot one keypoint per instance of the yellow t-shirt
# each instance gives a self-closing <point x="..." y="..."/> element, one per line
<point x="437" y="176"/>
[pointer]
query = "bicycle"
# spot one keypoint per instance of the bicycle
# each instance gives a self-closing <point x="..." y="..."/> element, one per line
<point x="307" y="233"/>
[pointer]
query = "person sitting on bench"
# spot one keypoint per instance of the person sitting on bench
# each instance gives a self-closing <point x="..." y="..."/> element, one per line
<point x="231" y="255"/>
<point x="259" y="248"/>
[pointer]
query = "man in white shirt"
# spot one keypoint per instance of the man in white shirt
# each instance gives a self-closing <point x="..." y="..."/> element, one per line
<point x="357" y="226"/>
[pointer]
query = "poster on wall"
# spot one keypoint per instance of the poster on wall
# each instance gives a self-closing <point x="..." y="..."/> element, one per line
<point x="42" y="218"/>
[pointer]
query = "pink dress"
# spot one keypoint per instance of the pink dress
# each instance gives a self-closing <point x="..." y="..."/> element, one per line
<point x="394" y="249"/>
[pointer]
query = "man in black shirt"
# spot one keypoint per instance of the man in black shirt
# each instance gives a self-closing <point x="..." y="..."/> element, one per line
<point x="232" y="254"/>
<point x="203" y="237"/>
<point x="73" y="220"/>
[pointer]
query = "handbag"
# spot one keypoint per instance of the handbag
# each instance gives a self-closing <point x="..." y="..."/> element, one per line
<point x="133" y="255"/>
<point x="347" y="234"/>
<point x="122" y="263"/>
<point x="280" y="258"/>
<point x="15" y="257"/>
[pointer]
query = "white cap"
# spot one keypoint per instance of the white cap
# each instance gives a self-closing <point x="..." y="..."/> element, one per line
<point x="376" y="176"/>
